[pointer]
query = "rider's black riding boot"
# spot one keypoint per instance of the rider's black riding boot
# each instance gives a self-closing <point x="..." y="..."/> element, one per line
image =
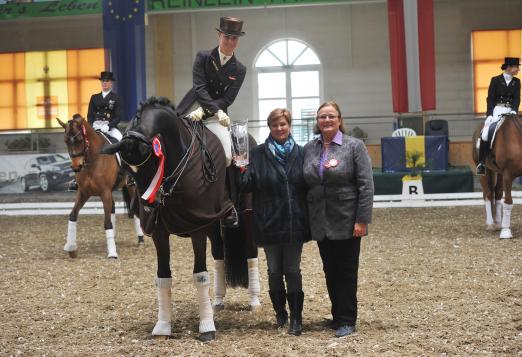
<point x="73" y="185"/>
<point x="231" y="220"/>
<point x="278" y="298"/>
<point x="483" y="152"/>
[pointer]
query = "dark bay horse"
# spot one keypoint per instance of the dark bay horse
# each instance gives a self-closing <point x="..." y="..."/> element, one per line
<point x="503" y="165"/>
<point x="97" y="175"/>
<point x="179" y="169"/>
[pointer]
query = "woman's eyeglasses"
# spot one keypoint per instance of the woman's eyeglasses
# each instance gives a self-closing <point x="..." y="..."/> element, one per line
<point x="324" y="117"/>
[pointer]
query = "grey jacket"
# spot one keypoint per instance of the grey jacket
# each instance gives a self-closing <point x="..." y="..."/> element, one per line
<point x="345" y="193"/>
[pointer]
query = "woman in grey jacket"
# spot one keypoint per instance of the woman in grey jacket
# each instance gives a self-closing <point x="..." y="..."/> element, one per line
<point x="275" y="176"/>
<point x="338" y="171"/>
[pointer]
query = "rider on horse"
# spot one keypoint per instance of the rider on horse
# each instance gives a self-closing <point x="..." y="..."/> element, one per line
<point x="217" y="78"/>
<point x="105" y="112"/>
<point x="503" y="98"/>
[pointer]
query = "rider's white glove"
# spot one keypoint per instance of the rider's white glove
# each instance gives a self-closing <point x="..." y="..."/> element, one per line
<point x="223" y="118"/>
<point x="197" y="114"/>
<point x="513" y="112"/>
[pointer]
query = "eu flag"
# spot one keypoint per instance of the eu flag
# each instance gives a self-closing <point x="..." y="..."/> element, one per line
<point x="124" y="42"/>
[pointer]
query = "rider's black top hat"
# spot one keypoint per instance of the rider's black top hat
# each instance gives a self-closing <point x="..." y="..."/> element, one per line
<point x="106" y="76"/>
<point x="510" y="61"/>
<point x="231" y="26"/>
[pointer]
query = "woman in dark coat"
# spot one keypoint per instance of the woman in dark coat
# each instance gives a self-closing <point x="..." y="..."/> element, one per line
<point x="275" y="177"/>
<point x="338" y="171"/>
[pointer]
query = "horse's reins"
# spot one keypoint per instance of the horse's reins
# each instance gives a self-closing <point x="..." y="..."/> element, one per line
<point x="208" y="162"/>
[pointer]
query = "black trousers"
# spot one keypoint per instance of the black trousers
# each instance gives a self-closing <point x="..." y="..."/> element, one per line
<point x="284" y="260"/>
<point x="341" y="264"/>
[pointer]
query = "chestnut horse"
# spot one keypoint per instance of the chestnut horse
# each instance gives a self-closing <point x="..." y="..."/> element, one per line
<point x="503" y="165"/>
<point x="179" y="169"/>
<point x="96" y="175"/>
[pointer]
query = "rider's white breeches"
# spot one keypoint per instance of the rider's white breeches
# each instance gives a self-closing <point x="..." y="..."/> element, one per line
<point x="223" y="135"/>
<point x="103" y="126"/>
<point x="498" y="111"/>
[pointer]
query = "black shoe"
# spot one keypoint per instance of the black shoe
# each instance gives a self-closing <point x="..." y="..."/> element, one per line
<point x="295" y="302"/>
<point x="231" y="220"/>
<point x="279" y="303"/>
<point x="481" y="169"/>
<point x="73" y="186"/>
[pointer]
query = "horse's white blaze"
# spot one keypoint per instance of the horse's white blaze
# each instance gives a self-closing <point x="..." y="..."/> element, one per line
<point x="70" y="244"/>
<point x="163" y="325"/>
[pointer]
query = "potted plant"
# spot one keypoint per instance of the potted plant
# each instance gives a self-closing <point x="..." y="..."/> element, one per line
<point x="412" y="183"/>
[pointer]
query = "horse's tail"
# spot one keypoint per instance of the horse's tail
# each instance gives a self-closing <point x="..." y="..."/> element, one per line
<point x="127" y="200"/>
<point x="236" y="265"/>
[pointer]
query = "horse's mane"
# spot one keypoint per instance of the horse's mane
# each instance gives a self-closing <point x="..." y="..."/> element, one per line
<point x="158" y="102"/>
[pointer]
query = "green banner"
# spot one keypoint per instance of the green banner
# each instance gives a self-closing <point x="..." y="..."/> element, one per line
<point x="50" y="8"/>
<point x="174" y="5"/>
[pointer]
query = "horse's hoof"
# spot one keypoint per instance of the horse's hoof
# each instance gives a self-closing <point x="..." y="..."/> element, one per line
<point x="255" y="308"/>
<point x="490" y="227"/>
<point x="207" y="336"/>
<point x="218" y="307"/>
<point x="160" y="338"/>
<point x="73" y="254"/>
<point x="141" y="241"/>
<point x="112" y="258"/>
<point x="505" y="233"/>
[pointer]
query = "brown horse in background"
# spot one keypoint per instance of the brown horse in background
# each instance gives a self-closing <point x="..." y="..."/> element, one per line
<point x="503" y="165"/>
<point x="97" y="175"/>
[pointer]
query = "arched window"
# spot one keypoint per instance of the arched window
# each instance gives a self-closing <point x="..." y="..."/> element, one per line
<point x="288" y="74"/>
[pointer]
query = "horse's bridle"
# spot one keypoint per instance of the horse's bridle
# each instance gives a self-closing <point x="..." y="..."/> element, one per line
<point x="83" y="133"/>
<point x="140" y="137"/>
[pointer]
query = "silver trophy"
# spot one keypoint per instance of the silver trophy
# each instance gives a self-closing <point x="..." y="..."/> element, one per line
<point x="239" y="135"/>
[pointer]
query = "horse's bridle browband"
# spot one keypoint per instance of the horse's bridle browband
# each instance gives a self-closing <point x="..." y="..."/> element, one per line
<point x="85" y="141"/>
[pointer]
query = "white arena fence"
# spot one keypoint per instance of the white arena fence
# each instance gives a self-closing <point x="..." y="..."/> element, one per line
<point x="380" y="201"/>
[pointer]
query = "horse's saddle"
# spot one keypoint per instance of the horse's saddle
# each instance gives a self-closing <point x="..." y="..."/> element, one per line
<point x="111" y="140"/>
<point x="493" y="128"/>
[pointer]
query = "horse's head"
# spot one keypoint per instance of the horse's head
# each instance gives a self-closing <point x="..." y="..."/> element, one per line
<point x="76" y="139"/>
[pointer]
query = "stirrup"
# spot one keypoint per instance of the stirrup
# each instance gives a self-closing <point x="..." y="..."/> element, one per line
<point x="481" y="170"/>
<point x="231" y="220"/>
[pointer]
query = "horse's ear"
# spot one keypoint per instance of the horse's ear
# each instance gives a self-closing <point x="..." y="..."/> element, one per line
<point x="62" y="124"/>
<point x="112" y="148"/>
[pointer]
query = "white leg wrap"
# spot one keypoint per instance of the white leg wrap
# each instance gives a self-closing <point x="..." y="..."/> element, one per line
<point x="498" y="212"/>
<point x="505" y="232"/>
<point x="163" y="325"/>
<point x="489" y="212"/>
<point x="70" y="244"/>
<point x="220" y="287"/>
<point x="137" y="226"/>
<point x="206" y="314"/>
<point x="111" y="244"/>
<point x="254" y="288"/>
<point x="113" y="221"/>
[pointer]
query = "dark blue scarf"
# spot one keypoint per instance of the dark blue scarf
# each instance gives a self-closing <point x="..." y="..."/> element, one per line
<point x="281" y="151"/>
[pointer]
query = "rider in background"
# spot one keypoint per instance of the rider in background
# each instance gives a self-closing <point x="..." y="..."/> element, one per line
<point x="217" y="78"/>
<point x="503" y="98"/>
<point x="105" y="112"/>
